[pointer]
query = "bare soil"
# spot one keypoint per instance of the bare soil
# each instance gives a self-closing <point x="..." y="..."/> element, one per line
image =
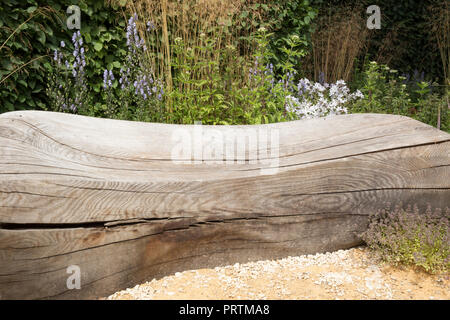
<point x="344" y="274"/>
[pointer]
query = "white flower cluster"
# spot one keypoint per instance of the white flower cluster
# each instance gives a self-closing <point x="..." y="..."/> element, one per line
<point x="314" y="99"/>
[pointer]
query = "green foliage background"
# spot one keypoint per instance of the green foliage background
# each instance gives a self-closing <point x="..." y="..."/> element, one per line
<point x="103" y="26"/>
<point x="413" y="47"/>
<point x="25" y="56"/>
<point x="290" y="18"/>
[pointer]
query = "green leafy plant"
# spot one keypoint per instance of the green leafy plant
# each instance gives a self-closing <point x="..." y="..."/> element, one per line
<point x="26" y="32"/>
<point x="138" y="94"/>
<point x="198" y="93"/>
<point x="288" y="20"/>
<point x="230" y="93"/>
<point x="410" y="237"/>
<point x="385" y="91"/>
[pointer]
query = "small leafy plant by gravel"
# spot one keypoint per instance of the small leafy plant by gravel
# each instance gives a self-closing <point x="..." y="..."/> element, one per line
<point x="410" y="237"/>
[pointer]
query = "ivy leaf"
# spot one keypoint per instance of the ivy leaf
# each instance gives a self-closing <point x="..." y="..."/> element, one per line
<point x="106" y="37"/>
<point x="98" y="46"/>
<point x="87" y="38"/>
<point x="41" y="37"/>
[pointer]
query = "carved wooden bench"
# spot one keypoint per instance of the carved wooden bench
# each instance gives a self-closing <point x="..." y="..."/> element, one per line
<point x="126" y="202"/>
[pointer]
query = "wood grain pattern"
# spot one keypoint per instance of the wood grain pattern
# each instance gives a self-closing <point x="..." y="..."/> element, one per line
<point x="110" y="196"/>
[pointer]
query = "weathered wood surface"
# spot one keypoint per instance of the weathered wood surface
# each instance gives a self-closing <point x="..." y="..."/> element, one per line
<point x="107" y="196"/>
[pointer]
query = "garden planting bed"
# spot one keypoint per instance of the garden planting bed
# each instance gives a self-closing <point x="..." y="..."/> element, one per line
<point x="119" y="202"/>
<point x="345" y="274"/>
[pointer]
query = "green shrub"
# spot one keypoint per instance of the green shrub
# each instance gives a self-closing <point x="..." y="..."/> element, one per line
<point x="29" y="32"/>
<point x="410" y="237"/>
<point x="26" y="63"/>
<point x="385" y="91"/>
<point x="287" y="19"/>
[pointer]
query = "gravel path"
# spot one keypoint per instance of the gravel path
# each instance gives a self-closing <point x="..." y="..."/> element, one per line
<point x="344" y="274"/>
